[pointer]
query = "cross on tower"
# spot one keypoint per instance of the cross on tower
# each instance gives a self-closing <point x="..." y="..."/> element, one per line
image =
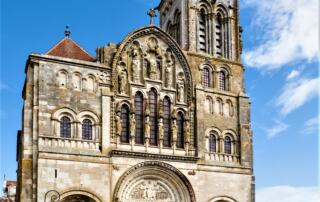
<point x="152" y="13"/>
<point x="67" y="32"/>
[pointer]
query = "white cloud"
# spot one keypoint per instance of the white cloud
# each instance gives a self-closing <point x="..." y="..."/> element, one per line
<point x="293" y="74"/>
<point x="311" y="125"/>
<point x="288" y="194"/>
<point x="277" y="129"/>
<point x="296" y="93"/>
<point x="289" y="30"/>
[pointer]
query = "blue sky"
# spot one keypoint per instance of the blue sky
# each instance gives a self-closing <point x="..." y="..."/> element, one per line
<point x="280" y="54"/>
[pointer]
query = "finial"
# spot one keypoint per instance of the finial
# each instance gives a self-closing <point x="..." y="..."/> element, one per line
<point x="152" y="13"/>
<point x="67" y="32"/>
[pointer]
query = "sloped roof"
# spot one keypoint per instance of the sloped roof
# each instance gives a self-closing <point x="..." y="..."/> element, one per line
<point x="69" y="49"/>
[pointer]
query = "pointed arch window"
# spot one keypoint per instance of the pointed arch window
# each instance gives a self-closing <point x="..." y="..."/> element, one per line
<point x="124" y="137"/>
<point x="153" y="106"/>
<point x="206" y="77"/>
<point x="177" y="27"/>
<point x="87" y="129"/>
<point x="65" y="127"/>
<point x="202" y="31"/>
<point x="138" y="105"/>
<point x="167" y="122"/>
<point x="212" y="143"/>
<point x="180" y="127"/>
<point x="227" y="145"/>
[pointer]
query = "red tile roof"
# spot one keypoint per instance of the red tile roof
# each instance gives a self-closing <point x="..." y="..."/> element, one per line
<point x="69" y="49"/>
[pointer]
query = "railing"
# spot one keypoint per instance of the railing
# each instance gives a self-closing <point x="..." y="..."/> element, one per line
<point x="46" y="141"/>
<point x="223" y="157"/>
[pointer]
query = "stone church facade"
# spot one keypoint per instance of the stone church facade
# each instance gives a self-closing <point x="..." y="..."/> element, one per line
<point x="162" y="116"/>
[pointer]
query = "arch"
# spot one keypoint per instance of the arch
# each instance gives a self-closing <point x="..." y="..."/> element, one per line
<point x="168" y="41"/>
<point x="86" y="114"/>
<point x="74" y="194"/>
<point x="171" y="182"/>
<point x="77" y="81"/>
<point x="231" y="133"/>
<point x="62" y="77"/>
<point x="229" y="108"/>
<point x="222" y="199"/>
<point x="219" y="106"/>
<point x="58" y="113"/>
<point x="209" y="105"/>
<point x="213" y="140"/>
<point x="90" y="85"/>
<point x="177" y="26"/>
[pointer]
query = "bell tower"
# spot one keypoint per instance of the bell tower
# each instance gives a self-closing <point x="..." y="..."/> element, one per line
<point x="209" y="27"/>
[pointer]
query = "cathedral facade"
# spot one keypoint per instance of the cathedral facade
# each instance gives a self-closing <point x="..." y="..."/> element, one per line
<point x="162" y="116"/>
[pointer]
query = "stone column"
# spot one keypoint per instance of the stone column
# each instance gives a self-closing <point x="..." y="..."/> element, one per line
<point x="106" y="120"/>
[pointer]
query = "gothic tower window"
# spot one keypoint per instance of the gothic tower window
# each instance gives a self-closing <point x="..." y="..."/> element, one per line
<point x="202" y="31"/>
<point x="227" y="145"/>
<point x="177" y="27"/>
<point x="65" y="127"/>
<point x="87" y="129"/>
<point x="219" y="38"/>
<point x="206" y="80"/>
<point x="124" y="138"/>
<point x="167" y="122"/>
<point x="153" y="106"/>
<point x="212" y="143"/>
<point x="138" y="105"/>
<point x="180" y="127"/>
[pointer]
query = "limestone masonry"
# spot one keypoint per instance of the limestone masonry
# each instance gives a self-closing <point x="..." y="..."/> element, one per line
<point x="161" y="117"/>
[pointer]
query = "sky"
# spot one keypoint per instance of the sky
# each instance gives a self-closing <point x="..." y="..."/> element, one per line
<point x="281" y="53"/>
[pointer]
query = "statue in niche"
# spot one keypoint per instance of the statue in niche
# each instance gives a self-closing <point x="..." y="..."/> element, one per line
<point x="136" y="63"/>
<point x="118" y="125"/>
<point x="123" y="82"/>
<point x="169" y="69"/>
<point x="152" y="56"/>
<point x="147" y="128"/>
<point x="132" y="125"/>
<point x="161" y="129"/>
<point x="153" y="66"/>
<point x="174" y="131"/>
<point x="180" y="91"/>
<point x="104" y="77"/>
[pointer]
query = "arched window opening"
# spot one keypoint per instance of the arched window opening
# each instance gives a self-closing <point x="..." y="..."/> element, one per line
<point x="87" y="129"/>
<point x="153" y="106"/>
<point x="212" y="143"/>
<point x="138" y="105"/>
<point x="180" y="127"/>
<point x="202" y="31"/>
<point x="223" y="85"/>
<point x="167" y="122"/>
<point x="227" y="145"/>
<point x="124" y="137"/>
<point x="177" y="27"/>
<point x="65" y="127"/>
<point x="219" y="36"/>
<point x="206" y="77"/>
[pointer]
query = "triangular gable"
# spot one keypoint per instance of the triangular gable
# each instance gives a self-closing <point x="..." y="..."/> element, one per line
<point x="69" y="49"/>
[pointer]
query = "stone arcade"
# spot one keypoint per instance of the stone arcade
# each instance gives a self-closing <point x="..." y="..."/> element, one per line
<point x="162" y="116"/>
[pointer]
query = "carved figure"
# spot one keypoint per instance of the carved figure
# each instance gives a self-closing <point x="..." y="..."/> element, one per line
<point x="168" y="70"/>
<point x="174" y="131"/>
<point x="136" y="64"/>
<point x="123" y="82"/>
<point x="180" y="91"/>
<point x="161" y="129"/>
<point x="104" y="77"/>
<point x="118" y="125"/>
<point x="132" y="125"/>
<point x="153" y="66"/>
<point x="147" y="128"/>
